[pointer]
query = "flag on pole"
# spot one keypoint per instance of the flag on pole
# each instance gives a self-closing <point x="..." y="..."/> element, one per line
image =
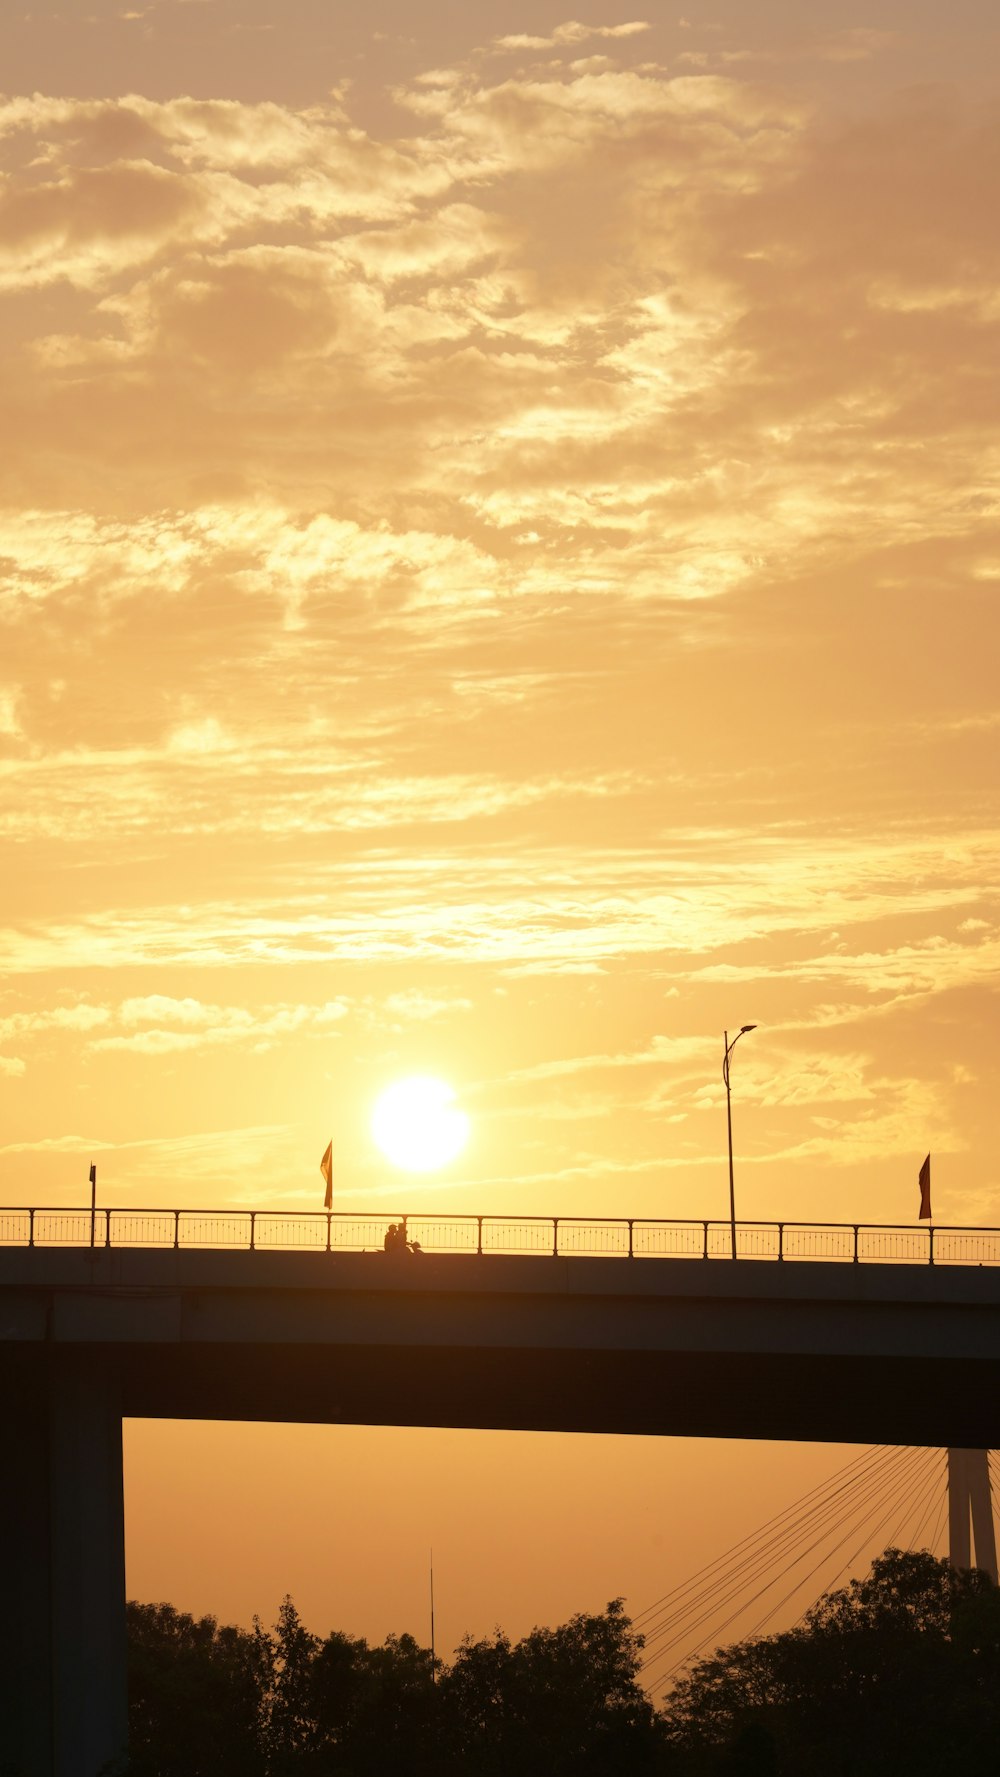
<point x="925" y="1191"/>
<point x="326" y="1168"/>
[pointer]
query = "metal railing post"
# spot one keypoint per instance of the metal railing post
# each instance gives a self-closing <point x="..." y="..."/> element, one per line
<point x="631" y="1253"/>
<point x="31" y="1227"/>
<point x="855" y="1242"/>
<point x="781" y="1240"/>
<point x="253" y="1230"/>
<point x="930" y="1243"/>
<point x="555" y="1237"/>
<point x="479" y="1236"/>
<point x="704" y="1250"/>
<point x="107" y="1227"/>
<point x="177" y="1229"/>
<point x="329" y="1228"/>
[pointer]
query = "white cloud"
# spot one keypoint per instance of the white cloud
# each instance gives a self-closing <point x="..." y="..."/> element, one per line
<point x="413" y="1004"/>
<point x="190" y="1024"/>
<point x="83" y="1017"/>
<point x="570" y="32"/>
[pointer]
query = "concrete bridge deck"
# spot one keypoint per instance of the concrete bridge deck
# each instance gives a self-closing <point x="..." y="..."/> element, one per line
<point x="868" y="1353"/>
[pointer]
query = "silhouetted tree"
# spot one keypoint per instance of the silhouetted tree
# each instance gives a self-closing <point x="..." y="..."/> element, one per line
<point x="375" y="1709"/>
<point x="195" y="1696"/>
<point x="561" y="1701"/>
<point x="290" y="1732"/>
<point x="898" y="1672"/>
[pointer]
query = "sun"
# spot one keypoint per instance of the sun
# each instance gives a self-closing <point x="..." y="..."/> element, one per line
<point x="418" y="1125"/>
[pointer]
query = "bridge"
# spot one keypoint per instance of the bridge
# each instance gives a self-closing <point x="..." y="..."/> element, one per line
<point x="841" y="1332"/>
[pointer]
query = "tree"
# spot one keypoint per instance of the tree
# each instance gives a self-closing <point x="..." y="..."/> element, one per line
<point x="899" y="1671"/>
<point x="376" y="1708"/>
<point x="562" y="1701"/>
<point x="290" y="1734"/>
<point x="196" y="1693"/>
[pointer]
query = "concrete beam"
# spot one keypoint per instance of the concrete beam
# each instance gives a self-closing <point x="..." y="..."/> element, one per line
<point x="879" y="1353"/>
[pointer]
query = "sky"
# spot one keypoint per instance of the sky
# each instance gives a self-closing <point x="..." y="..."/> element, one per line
<point x="499" y="569"/>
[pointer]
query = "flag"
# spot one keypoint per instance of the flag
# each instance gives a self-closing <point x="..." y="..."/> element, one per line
<point x="326" y="1168"/>
<point x="925" y="1191"/>
<point x="93" y="1173"/>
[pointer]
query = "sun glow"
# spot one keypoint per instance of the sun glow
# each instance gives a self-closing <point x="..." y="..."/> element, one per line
<point x="417" y="1124"/>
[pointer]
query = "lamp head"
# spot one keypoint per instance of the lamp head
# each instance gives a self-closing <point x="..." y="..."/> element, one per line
<point x="744" y="1027"/>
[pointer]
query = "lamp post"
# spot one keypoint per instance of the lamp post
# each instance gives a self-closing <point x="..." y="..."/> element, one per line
<point x="730" y="1046"/>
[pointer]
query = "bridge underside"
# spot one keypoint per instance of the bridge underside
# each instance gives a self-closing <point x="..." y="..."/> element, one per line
<point x="803" y="1398"/>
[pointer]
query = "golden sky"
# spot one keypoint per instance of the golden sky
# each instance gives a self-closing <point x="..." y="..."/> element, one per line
<point x="499" y="562"/>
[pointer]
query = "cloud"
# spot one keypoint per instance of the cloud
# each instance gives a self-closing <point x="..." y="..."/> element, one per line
<point x="58" y="1144"/>
<point x="268" y="551"/>
<point x="558" y="280"/>
<point x="207" y="1156"/>
<point x="157" y="1024"/>
<point x="661" y="1052"/>
<point x="178" y="1025"/>
<point x="103" y="188"/>
<point x="418" y="1006"/>
<point x="82" y="227"/>
<point x="579" y="906"/>
<point x="570" y="32"/>
<point x="82" y="1017"/>
<point x="855" y="44"/>
<point x="936" y="965"/>
<point x="9" y="724"/>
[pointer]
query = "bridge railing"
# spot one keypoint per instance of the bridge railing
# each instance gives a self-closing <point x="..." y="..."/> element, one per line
<point x="554" y="1236"/>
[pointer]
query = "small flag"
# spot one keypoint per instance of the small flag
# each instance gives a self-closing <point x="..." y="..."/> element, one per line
<point x="326" y="1168"/>
<point x="925" y="1191"/>
<point x="93" y="1173"/>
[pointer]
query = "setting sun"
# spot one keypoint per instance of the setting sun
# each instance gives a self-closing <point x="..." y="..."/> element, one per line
<point x="417" y="1124"/>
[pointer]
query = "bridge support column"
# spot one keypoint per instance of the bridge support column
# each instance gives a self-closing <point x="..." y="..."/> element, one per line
<point x="969" y="1493"/>
<point x="62" y="1637"/>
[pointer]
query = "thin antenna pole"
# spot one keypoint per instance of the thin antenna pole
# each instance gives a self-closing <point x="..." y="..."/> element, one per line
<point x="433" y="1664"/>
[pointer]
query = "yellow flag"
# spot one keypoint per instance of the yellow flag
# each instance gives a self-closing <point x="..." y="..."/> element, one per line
<point x="326" y="1168"/>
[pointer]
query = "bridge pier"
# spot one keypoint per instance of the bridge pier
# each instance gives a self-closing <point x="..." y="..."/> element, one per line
<point x="969" y="1492"/>
<point x="62" y="1617"/>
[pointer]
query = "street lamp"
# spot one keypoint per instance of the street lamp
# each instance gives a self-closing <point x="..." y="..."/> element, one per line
<point x="730" y="1046"/>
